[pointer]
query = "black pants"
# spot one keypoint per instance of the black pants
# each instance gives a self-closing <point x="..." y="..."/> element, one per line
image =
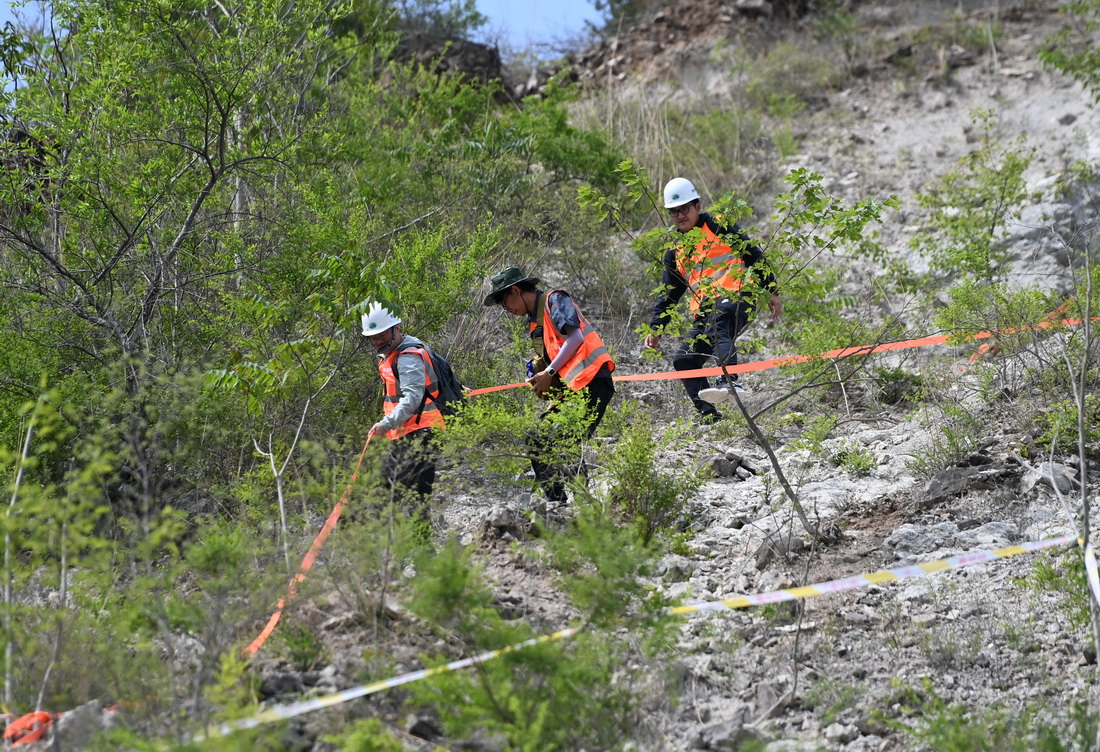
<point x="550" y="476"/>
<point x="409" y="466"/>
<point x="711" y="336"/>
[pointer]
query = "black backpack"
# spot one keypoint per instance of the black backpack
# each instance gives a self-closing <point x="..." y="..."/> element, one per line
<point x="452" y="395"/>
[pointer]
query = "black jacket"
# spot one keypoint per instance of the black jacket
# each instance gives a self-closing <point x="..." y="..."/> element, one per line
<point x="674" y="285"/>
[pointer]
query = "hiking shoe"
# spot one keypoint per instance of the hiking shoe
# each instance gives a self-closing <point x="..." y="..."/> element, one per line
<point x="720" y="392"/>
<point x="715" y="395"/>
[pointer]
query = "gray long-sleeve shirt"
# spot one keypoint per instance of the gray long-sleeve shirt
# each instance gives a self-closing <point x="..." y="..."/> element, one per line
<point x="410" y="380"/>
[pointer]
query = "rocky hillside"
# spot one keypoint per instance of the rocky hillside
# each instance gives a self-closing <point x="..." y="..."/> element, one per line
<point x="902" y="479"/>
<point x="897" y="483"/>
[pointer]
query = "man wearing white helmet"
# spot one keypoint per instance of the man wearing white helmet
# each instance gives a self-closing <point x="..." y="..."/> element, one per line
<point x="714" y="270"/>
<point x="410" y="407"/>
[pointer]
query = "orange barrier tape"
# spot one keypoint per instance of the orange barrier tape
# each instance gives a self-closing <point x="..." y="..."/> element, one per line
<point x="310" y="557"/>
<point x="29" y="729"/>
<point x="982" y="350"/>
<point x="487" y="389"/>
<point x="844" y="352"/>
<point x="1050" y="318"/>
<point x="763" y="365"/>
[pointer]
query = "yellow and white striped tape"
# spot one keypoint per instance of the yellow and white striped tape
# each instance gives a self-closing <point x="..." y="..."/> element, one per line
<point x="1090" y="570"/>
<point x="283" y="712"/>
<point x="875" y="578"/>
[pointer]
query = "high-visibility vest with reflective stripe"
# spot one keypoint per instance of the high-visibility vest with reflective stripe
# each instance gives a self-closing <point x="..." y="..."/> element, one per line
<point x="429" y="415"/>
<point x="713" y="261"/>
<point x="581" y="368"/>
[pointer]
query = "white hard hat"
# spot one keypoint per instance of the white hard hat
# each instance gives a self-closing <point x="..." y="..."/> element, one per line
<point x="378" y="319"/>
<point x="678" y="192"/>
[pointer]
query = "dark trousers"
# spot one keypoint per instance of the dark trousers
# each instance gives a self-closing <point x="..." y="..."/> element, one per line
<point x="409" y="466"/>
<point x="711" y="337"/>
<point x="551" y="477"/>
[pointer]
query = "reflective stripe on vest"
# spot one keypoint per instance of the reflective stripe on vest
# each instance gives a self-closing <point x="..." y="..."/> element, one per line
<point x="429" y="416"/>
<point x="581" y="368"/>
<point x="714" y="261"/>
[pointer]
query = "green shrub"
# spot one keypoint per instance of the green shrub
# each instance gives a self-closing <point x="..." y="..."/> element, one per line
<point x="1057" y="426"/>
<point x="792" y="71"/>
<point x="840" y="26"/>
<point x="1073" y="50"/>
<point x="961" y="30"/>
<point x="957" y="432"/>
<point x="971" y="205"/>
<point x="814" y="433"/>
<point x="492" y="435"/>
<point x="366" y="735"/>
<point x="299" y="645"/>
<point x="829" y="697"/>
<point x="855" y="459"/>
<point x="1064" y="575"/>
<point x="957" y="728"/>
<point x="601" y="566"/>
<point x="595" y="679"/>
<point x="896" y="385"/>
<point x="640" y="491"/>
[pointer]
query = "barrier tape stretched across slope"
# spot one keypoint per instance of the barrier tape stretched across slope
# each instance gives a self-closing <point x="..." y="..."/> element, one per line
<point x="740" y="602"/>
<point x="1091" y="572"/>
<point x="762" y="365"/>
<point x="310" y="557"/>
<point x="875" y="578"/>
<point x="283" y="712"/>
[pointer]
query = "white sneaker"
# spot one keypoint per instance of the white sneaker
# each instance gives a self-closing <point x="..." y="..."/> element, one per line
<point x="715" y="395"/>
<point x="720" y="393"/>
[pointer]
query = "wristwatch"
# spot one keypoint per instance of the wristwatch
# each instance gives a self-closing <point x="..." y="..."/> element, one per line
<point x="551" y="371"/>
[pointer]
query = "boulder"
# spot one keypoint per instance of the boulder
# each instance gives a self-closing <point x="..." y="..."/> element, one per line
<point x="75" y="729"/>
<point x="1051" y="474"/>
<point x="781" y="545"/>
<point x="955" y="481"/>
<point x="716" y="466"/>
<point x="503" y="520"/>
<point x="729" y="734"/>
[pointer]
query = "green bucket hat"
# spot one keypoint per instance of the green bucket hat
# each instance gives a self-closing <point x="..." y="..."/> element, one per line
<point x="504" y="280"/>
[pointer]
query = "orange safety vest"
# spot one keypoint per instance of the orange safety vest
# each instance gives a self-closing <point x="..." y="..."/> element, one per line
<point x="581" y="368"/>
<point x="429" y="415"/>
<point x="30" y="728"/>
<point x="712" y="260"/>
